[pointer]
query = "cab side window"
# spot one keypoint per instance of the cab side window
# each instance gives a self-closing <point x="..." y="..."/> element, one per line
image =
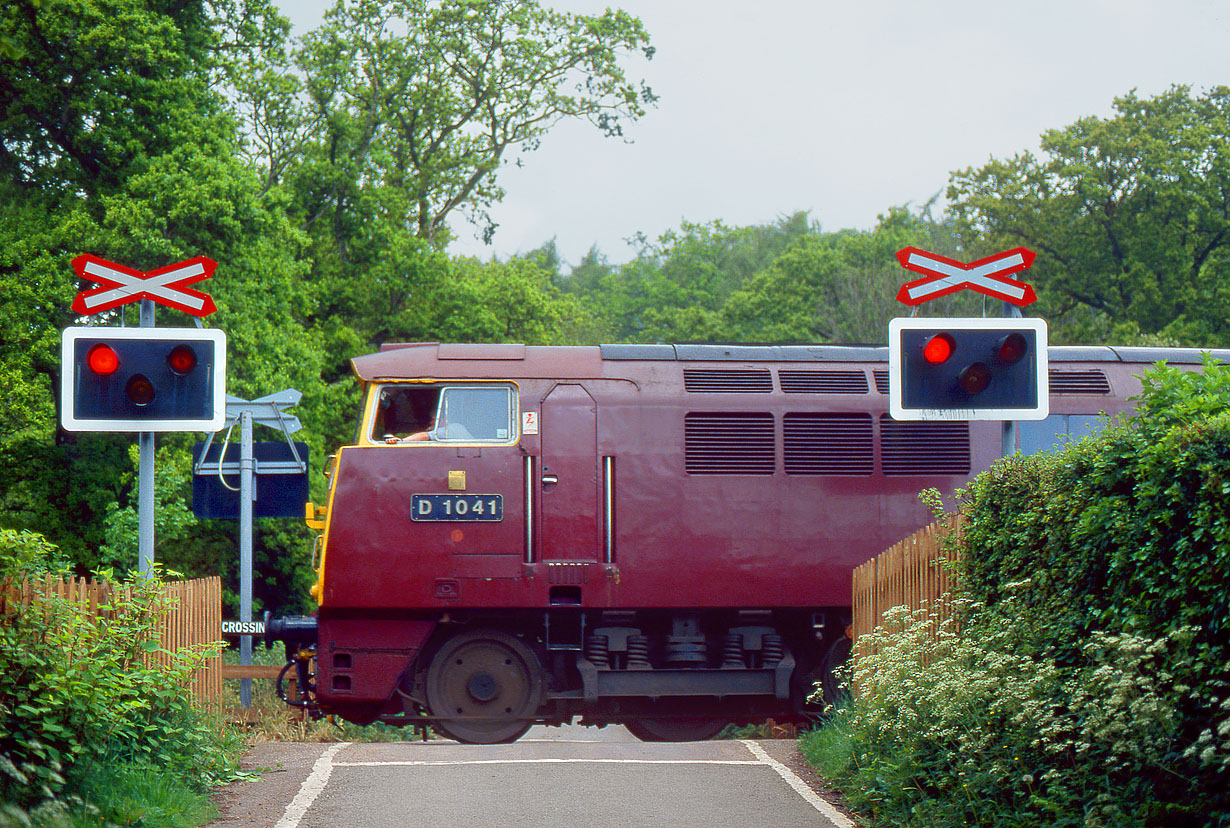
<point x="481" y="414"/>
<point x="445" y="414"/>
<point x="402" y="411"/>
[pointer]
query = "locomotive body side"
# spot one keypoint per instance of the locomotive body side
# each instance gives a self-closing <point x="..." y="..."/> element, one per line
<point x="657" y="535"/>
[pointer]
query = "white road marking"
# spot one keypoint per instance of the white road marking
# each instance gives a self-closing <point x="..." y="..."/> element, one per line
<point x="800" y="787"/>
<point x="311" y="787"/>
<point x="443" y="762"/>
<point x="557" y="742"/>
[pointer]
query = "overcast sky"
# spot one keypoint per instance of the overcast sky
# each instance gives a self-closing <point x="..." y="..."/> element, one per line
<point x="768" y="107"/>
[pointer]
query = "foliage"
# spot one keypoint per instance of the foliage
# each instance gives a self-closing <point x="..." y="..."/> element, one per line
<point x="1088" y="684"/>
<point x="841" y="287"/>
<point x="781" y="282"/>
<point x="406" y="108"/>
<point x="970" y="729"/>
<point x="1125" y="532"/>
<point x="394" y="118"/>
<point x="114" y="142"/>
<point x="79" y="692"/>
<point x="25" y="553"/>
<point x="1128" y="216"/>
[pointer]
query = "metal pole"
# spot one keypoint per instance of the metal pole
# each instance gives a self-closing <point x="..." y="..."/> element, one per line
<point x="1009" y="434"/>
<point x="247" y="494"/>
<point x="145" y="477"/>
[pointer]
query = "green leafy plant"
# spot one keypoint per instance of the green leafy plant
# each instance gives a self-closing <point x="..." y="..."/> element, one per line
<point x="1085" y="679"/>
<point x="966" y="729"/>
<point x="83" y="690"/>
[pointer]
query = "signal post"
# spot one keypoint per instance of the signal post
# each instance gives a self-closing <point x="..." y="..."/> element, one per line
<point x="145" y="379"/>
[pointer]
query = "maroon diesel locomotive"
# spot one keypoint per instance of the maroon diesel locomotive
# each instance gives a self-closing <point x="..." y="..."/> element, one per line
<point x="654" y="535"/>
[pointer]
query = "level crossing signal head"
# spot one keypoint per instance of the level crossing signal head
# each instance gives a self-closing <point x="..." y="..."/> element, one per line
<point x="143" y="379"/>
<point x="968" y="369"/>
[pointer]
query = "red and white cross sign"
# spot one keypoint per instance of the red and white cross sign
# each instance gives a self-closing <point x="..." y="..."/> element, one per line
<point x="120" y="285"/>
<point x="945" y="276"/>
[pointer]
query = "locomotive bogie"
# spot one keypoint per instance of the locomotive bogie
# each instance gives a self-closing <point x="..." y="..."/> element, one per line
<point x="531" y="666"/>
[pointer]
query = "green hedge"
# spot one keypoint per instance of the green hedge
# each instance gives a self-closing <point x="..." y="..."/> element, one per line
<point x="1090" y="681"/>
<point x="78" y="705"/>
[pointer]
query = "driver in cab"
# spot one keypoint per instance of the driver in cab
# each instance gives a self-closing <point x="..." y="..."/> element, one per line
<point x="439" y="429"/>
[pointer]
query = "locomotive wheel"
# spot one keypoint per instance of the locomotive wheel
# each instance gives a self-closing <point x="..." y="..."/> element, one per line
<point x="838" y="654"/>
<point x="674" y="729"/>
<point x="490" y="680"/>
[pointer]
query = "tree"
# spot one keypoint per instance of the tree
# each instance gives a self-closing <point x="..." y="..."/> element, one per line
<point x="840" y="287"/>
<point x="674" y="285"/>
<point x="512" y="301"/>
<point x="395" y="117"/>
<point x="416" y="104"/>
<point x="114" y="141"/>
<point x="1130" y="216"/>
<point x="120" y="135"/>
<point x="73" y="88"/>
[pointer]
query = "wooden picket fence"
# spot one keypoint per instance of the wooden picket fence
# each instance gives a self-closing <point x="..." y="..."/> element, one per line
<point x="915" y="573"/>
<point x="191" y="615"/>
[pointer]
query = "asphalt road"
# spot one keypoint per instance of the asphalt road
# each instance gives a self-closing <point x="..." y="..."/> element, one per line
<point x="551" y="778"/>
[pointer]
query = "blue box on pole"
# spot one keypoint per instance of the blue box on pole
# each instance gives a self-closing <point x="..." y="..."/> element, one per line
<point x="279" y="495"/>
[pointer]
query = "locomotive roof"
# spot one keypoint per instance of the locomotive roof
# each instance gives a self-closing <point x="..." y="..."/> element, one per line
<point x="427" y="359"/>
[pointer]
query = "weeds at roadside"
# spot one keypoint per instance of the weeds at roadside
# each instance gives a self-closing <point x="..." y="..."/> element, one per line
<point x="96" y="728"/>
<point x="272" y="720"/>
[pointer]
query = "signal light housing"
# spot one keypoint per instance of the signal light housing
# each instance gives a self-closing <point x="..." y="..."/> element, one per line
<point x="968" y="369"/>
<point x="143" y="379"/>
<point x="1010" y="349"/>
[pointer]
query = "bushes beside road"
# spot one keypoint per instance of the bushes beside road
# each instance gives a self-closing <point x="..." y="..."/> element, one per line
<point x="1089" y="683"/>
<point x="90" y="733"/>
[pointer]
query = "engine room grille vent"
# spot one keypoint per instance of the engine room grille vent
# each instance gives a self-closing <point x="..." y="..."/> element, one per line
<point x="921" y="448"/>
<point x="728" y="443"/>
<point x="1078" y="382"/>
<point x="729" y="381"/>
<point x="881" y="378"/>
<point x="823" y="382"/>
<point x="828" y="444"/>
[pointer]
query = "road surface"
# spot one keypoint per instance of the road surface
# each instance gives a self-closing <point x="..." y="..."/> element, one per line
<point x="551" y="778"/>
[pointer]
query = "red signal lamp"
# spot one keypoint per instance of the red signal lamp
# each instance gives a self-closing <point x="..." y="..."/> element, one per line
<point x="1011" y="349"/>
<point x="182" y="359"/>
<point x="939" y="348"/>
<point x="974" y="378"/>
<point x="140" y="390"/>
<point x="103" y="360"/>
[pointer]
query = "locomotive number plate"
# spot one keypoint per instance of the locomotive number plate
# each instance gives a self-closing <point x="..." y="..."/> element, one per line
<point x="487" y="507"/>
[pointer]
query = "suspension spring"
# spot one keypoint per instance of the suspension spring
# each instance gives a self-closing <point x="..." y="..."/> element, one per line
<point x="638" y="652"/>
<point x="732" y="651"/>
<point x="772" y="649"/>
<point x="597" y="650"/>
